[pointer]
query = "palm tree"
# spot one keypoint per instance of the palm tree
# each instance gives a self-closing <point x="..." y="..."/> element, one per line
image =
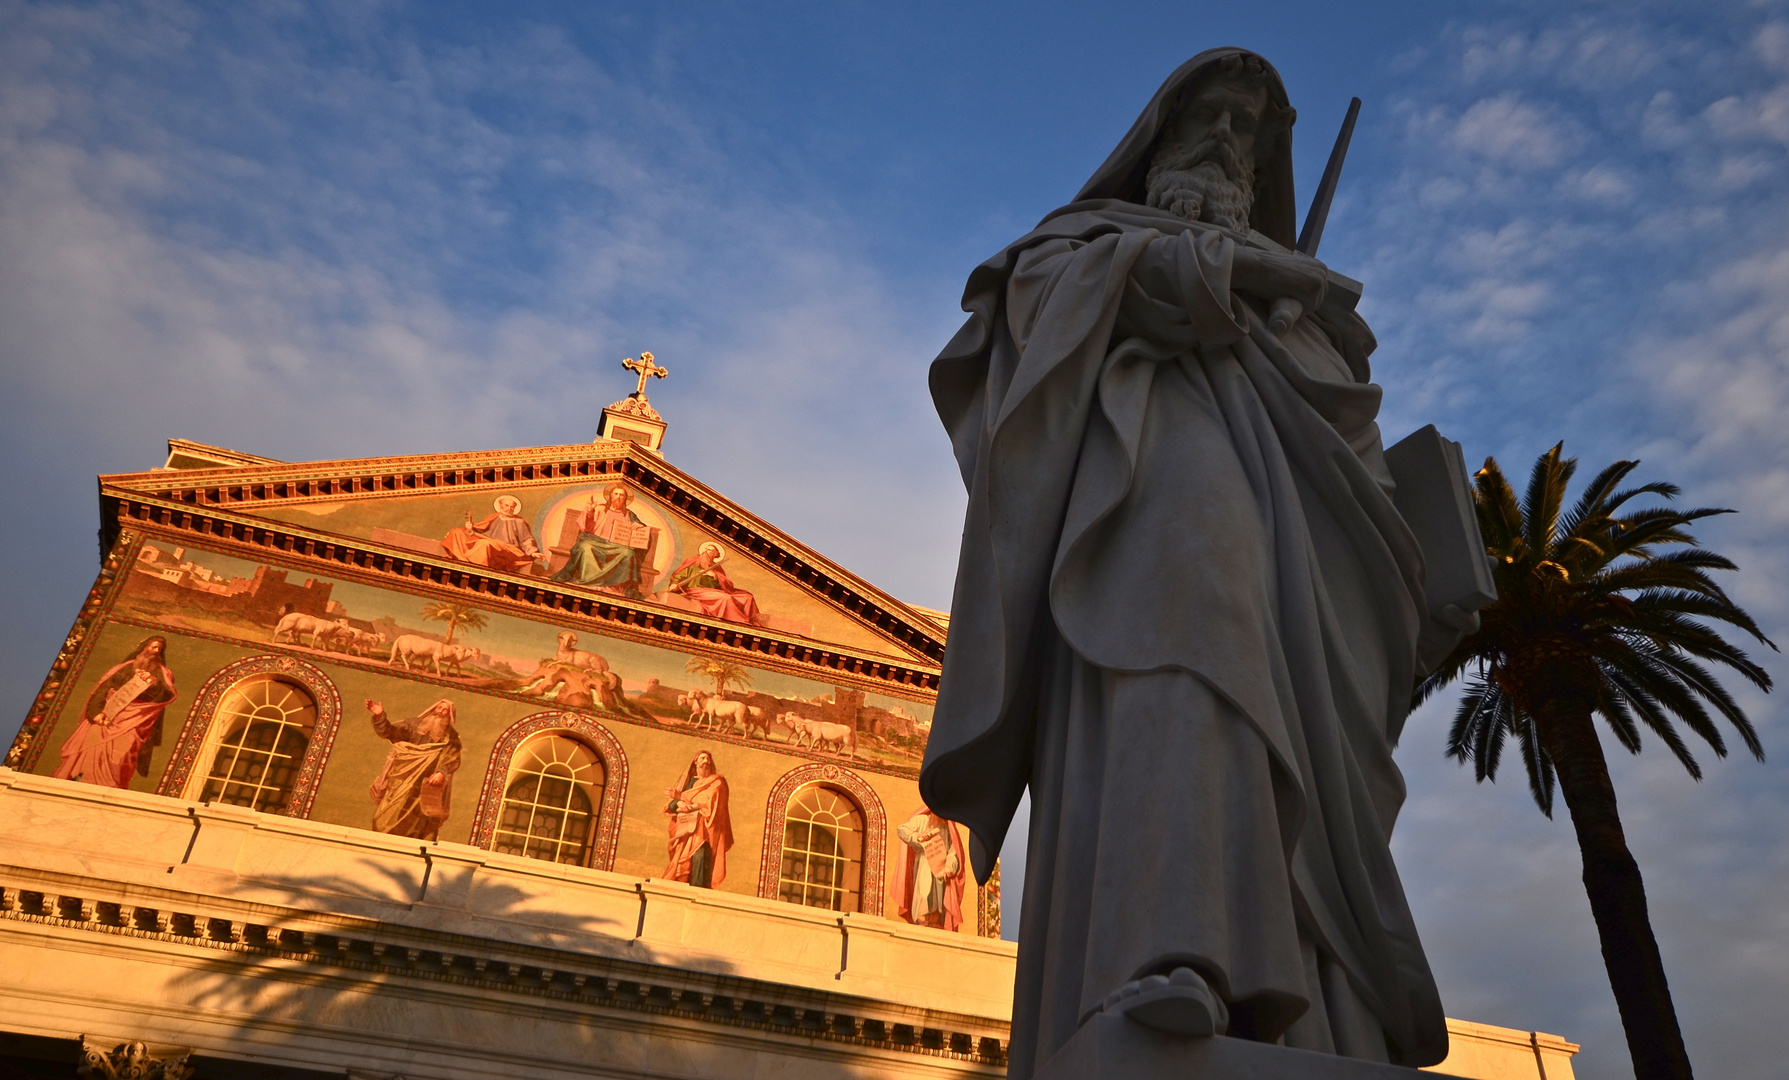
<point x="1598" y="613"/>
<point x="454" y="615"/>
<point x="722" y="673"/>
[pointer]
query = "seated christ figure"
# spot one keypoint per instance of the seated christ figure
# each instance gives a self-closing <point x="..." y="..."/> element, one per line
<point x="611" y="542"/>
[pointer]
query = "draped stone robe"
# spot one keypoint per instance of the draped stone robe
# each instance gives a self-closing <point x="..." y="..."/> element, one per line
<point x="1185" y="616"/>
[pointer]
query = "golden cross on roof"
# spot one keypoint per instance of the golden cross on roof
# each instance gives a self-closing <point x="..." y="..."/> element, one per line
<point x="647" y="370"/>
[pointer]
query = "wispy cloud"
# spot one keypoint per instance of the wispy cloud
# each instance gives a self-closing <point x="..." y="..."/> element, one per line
<point x="1584" y="238"/>
<point x="315" y="231"/>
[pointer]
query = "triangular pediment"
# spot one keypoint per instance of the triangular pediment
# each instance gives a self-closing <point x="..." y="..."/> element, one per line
<point x="648" y="556"/>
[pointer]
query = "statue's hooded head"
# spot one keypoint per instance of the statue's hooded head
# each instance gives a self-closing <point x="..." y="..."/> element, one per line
<point x="1127" y="174"/>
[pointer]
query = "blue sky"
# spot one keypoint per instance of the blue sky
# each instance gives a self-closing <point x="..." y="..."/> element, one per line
<point x="313" y="231"/>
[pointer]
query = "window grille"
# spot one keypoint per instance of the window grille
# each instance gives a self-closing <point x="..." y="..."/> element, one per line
<point x="550" y="801"/>
<point x="822" y="863"/>
<point x="267" y="723"/>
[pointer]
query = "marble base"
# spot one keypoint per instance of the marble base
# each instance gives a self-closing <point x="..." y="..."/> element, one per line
<point x="1114" y="1048"/>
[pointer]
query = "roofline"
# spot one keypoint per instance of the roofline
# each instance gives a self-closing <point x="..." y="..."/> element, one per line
<point x="268" y="482"/>
<point x="218" y="456"/>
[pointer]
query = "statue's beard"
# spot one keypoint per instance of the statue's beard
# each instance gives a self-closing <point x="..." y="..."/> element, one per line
<point x="1209" y="182"/>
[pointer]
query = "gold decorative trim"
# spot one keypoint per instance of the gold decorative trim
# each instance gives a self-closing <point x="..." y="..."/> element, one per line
<point x="28" y="745"/>
<point x="987" y="905"/>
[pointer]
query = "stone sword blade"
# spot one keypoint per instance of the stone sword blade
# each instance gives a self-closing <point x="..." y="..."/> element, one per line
<point x="1318" y="214"/>
<point x="1286" y="311"/>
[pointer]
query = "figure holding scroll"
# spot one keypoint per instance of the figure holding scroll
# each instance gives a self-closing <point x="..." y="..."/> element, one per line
<point x="930" y="883"/>
<point x="413" y="793"/>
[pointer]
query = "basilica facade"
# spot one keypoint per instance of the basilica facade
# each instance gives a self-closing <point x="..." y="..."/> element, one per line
<point x="521" y="763"/>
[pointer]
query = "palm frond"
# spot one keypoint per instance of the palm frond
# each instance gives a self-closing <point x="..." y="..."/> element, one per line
<point x="1546" y="493"/>
<point x="1499" y="515"/>
<point x="1669" y="617"/>
<point x="1701" y="681"/>
<point x="1653" y="712"/>
<point x="1660" y="488"/>
<point x="1632" y="588"/>
<point x="1477" y="701"/>
<point x="1537" y="765"/>
<point x="1591" y="505"/>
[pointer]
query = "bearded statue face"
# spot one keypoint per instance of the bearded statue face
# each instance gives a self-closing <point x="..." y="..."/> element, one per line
<point x="1203" y="168"/>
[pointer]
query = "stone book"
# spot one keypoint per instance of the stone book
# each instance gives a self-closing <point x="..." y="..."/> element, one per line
<point x="1435" y="499"/>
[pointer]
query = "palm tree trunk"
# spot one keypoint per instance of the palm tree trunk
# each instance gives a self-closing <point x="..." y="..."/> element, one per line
<point x="1617" y="895"/>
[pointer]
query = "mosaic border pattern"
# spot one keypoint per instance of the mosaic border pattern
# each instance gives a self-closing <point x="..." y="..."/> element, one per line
<point x="987" y="905"/>
<point x="28" y="744"/>
<point x="875" y="827"/>
<point x="199" y="719"/>
<point x="593" y="735"/>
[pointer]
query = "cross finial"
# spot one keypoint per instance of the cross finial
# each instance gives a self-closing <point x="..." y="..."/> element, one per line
<point x="647" y="370"/>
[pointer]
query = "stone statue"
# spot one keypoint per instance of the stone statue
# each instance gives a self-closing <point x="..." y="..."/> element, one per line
<point x="1187" y="612"/>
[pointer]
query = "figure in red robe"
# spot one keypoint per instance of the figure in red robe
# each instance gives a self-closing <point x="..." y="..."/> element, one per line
<point x="930" y="884"/>
<point x="701" y="579"/>
<point x="122" y="715"/>
<point x="701" y="828"/>
<point x="502" y="541"/>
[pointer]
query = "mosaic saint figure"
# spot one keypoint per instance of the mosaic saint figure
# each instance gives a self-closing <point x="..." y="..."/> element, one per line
<point x="610" y="544"/>
<point x="930" y="884"/>
<point x="700" y="826"/>
<point x="412" y="795"/>
<point x="701" y="579"/>
<point x="502" y="541"/>
<point x="122" y="716"/>
<point x="1187" y="612"/>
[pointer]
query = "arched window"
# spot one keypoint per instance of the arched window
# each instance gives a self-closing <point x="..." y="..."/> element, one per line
<point x="553" y="790"/>
<point x="825" y="840"/>
<point x="822" y="850"/>
<point x="258" y="735"/>
<point x="266" y="724"/>
<point x="550" y="801"/>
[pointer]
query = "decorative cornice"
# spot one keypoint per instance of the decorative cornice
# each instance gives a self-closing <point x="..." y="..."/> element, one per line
<point x="633" y="405"/>
<point x="131" y="1061"/>
<point x="217" y="490"/>
<point x="382" y="952"/>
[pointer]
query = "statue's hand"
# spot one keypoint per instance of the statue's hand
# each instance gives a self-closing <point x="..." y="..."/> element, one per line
<point x="1268" y="276"/>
